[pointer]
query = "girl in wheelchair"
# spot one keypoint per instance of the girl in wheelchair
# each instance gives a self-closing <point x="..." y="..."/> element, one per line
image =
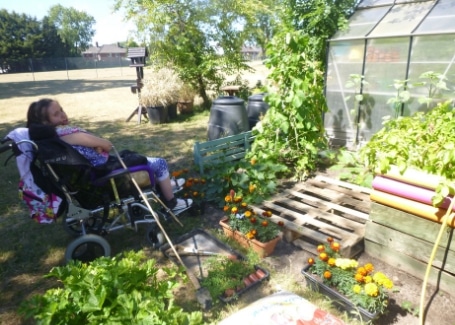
<point x="48" y="113"/>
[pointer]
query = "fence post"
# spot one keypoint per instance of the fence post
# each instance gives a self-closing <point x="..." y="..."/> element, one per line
<point x="33" y="70"/>
<point x="66" y="67"/>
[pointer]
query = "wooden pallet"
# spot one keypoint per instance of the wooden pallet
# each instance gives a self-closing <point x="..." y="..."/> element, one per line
<point x="321" y="207"/>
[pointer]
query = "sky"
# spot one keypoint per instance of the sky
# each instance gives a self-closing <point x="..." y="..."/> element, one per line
<point x="109" y="28"/>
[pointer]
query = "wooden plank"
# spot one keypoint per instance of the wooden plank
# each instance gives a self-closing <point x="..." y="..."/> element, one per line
<point x="412" y="246"/>
<point x="409" y="224"/>
<point x="335" y="196"/>
<point x="347" y="212"/>
<point x="445" y="281"/>
<point x="352" y="187"/>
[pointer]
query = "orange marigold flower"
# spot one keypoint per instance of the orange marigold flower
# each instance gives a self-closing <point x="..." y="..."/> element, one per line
<point x="234" y="210"/>
<point x="331" y="261"/>
<point x="251" y="188"/>
<point x="335" y="246"/>
<point x="196" y="181"/>
<point x="362" y="270"/>
<point x="203" y="181"/>
<point x="195" y="193"/>
<point x="369" y="267"/>
<point x="359" y="277"/>
<point x="227" y="198"/>
<point x="253" y="161"/>
<point x="254" y="232"/>
<point x="327" y="274"/>
<point x="185" y="170"/>
<point x="269" y="213"/>
<point x="248" y="214"/>
<point x="176" y="173"/>
<point x="280" y="223"/>
<point x="321" y="248"/>
<point x="311" y="261"/>
<point x="329" y="239"/>
<point x="226" y="208"/>
<point x="238" y="199"/>
<point x="253" y="220"/>
<point x="264" y="223"/>
<point x="323" y="256"/>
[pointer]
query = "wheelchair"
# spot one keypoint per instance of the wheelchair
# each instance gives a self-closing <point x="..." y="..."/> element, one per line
<point x="95" y="200"/>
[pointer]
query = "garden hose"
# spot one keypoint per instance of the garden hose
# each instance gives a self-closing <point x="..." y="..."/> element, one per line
<point x="444" y="223"/>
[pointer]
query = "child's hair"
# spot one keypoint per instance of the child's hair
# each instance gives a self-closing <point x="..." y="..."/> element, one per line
<point x="38" y="112"/>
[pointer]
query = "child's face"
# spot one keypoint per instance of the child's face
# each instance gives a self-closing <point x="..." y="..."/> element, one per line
<point x="56" y="115"/>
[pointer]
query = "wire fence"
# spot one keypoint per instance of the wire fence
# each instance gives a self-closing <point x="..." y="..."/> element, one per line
<point x="66" y="68"/>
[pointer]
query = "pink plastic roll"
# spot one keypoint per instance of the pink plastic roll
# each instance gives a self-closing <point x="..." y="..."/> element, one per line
<point x="407" y="191"/>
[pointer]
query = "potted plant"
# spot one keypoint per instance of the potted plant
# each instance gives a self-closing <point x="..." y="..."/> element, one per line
<point x="351" y="286"/>
<point x="194" y="189"/>
<point x="160" y="90"/>
<point x="228" y="276"/>
<point x="185" y="99"/>
<point x="244" y="225"/>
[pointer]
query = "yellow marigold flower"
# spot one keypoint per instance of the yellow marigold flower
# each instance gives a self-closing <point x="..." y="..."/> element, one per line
<point x="346" y="263"/>
<point x="368" y="279"/>
<point x="359" y="277"/>
<point x="234" y="210"/>
<point x="238" y="199"/>
<point x="388" y="284"/>
<point x="195" y="193"/>
<point x="253" y="161"/>
<point x="248" y="214"/>
<point x="371" y="289"/>
<point x="323" y="256"/>
<point x="251" y="188"/>
<point x="320" y="248"/>
<point x="244" y="204"/>
<point x="379" y="278"/>
<point x="361" y="270"/>
<point x="369" y="267"/>
<point x="311" y="261"/>
<point x="331" y="261"/>
<point x="249" y="235"/>
<point x="227" y="198"/>
<point x="357" y="289"/>
<point x="329" y="239"/>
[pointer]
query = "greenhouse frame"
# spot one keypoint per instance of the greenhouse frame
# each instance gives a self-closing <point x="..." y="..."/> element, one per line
<point x="395" y="58"/>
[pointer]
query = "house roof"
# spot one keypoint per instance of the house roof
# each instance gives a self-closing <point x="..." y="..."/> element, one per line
<point x="108" y="48"/>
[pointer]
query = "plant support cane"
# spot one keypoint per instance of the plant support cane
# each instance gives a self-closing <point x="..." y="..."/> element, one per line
<point x="202" y="294"/>
<point x="448" y="217"/>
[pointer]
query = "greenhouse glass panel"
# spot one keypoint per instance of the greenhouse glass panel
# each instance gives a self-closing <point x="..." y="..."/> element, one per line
<point x="345" y="58"/>
<point x="402" y="19"/>
<point x="425" y="59"/>
<point x="373" y="3"/>
<point x="441" y="19"/>
<point x="361" y="22"/>
<point x="386" y="61"/>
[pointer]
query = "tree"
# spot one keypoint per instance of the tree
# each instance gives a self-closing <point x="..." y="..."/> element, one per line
<point x="320" y="19"/>
<point x="75" y="28"/>
<point x="202" y="39"/>
<point x="23" y="37"/>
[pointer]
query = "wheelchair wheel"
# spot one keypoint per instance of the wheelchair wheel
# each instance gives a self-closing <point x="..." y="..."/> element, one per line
<point x="154" y="236"/>
<point x="73" y="226"/>
<point x="87" y="248"/>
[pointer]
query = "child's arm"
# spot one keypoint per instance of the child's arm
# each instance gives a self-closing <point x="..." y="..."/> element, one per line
<point x="87" y="140"/>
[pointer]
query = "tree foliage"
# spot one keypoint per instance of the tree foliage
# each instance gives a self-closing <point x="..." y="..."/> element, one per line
<point x="202" y="39"/>
<point x="22" y="37"/>
<point x="75" y="28"/>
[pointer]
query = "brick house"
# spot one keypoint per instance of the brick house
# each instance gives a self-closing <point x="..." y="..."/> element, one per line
<point x="105" y="52"/>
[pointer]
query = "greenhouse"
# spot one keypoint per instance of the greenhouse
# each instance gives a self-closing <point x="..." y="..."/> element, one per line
<point x="394" y="57"/>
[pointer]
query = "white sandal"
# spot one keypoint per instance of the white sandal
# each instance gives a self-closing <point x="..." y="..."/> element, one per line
<point x="177" y="184"/>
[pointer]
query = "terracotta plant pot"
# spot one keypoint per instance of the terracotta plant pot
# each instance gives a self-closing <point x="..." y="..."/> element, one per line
<point x="263" y="249"/>
<point x="185" y="107"/>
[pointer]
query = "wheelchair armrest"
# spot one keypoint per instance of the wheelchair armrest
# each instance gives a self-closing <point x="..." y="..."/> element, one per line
<point x="116" y="173"/>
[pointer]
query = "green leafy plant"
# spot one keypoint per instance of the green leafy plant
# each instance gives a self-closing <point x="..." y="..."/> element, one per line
<point x="351" y="168"/>
<point x="245" y="220"/>
<point x="292" y="131"/>
<point x="125" y="289"/>
<point x="410" y="308"/>
<point x="360" y="283"/>
<point x="252" y="178"/>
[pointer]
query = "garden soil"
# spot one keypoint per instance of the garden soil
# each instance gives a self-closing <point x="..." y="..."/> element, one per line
<point x="288" y="260"/>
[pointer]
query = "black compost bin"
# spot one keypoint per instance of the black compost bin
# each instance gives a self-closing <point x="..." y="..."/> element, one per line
<point x="157" y="115"/>
<point x="227" y="117"/>
<point x="256" y="108"/>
